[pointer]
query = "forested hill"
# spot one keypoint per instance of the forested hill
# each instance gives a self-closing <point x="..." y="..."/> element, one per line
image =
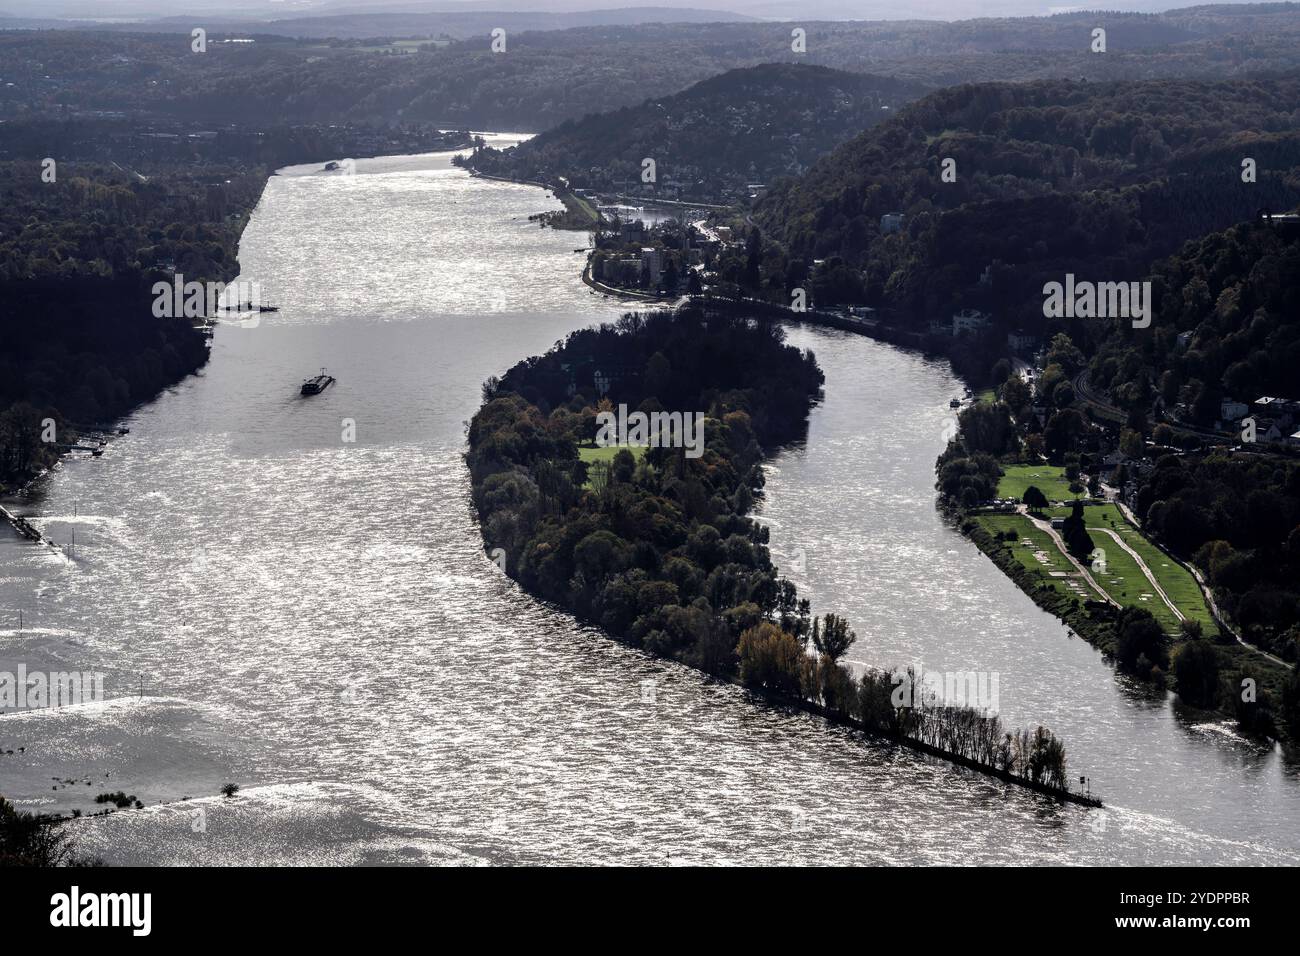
<point x="1233" y="298"/>
<point x="1052" y="177"/>
<point x="546" y="77"/>
<point x="749" y="125"/>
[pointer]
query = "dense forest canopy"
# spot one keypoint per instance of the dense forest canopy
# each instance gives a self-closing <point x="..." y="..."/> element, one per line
<point x="755" y="392"/>
<point x="745" y="126"/>
<point x="77" y="260"/>
<point x="1053" y="177"/>
<point x="1228" y="307"/>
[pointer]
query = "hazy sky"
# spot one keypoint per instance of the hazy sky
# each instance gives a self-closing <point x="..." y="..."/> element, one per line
<point x="779" y="9"/>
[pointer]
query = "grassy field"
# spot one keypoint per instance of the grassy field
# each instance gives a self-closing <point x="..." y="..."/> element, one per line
<point x="580" y="212"/>
<point x="1049" y="479"/>
<point x="1041" y="556"/>
<point x="605" y="454"/>
<point x="987" y="397"/>
<point x="1176" y="580"/>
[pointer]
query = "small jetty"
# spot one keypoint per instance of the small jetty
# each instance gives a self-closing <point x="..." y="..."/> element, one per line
<point x="317" y="384"/>
<point x="26" y="529"/>
<point x="20" y="524"/>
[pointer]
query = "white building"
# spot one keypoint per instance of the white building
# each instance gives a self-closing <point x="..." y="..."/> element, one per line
<point x="1230" y="411"/>
<point x="1019" y="341"/>
<point x="650" y="259"/>
<point x="969" y="320"/>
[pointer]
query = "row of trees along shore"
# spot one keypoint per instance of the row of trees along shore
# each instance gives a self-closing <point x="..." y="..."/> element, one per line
<point x="658" y="549"/>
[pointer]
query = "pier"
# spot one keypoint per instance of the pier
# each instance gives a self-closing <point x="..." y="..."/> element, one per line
<point x="26" y="529"/>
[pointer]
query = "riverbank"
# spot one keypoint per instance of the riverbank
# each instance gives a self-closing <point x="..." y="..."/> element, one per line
<point x="628" y="295"/>
<point x="910" y="743"/>
<point x="579" y="214"/>
<point x="1245" y="672"/>
<point x="699" y="588"/>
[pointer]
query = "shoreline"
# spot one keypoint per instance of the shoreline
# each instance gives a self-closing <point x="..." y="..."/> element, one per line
<point x="814" y="709"/>
<point x="1092" y="630"/>
<point x="837" y="693"/>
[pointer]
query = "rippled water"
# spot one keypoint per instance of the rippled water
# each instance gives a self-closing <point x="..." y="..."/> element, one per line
<point x="314" y="619"/>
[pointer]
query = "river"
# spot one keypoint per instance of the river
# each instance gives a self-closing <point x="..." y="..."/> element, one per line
<point x="313" y="617"/>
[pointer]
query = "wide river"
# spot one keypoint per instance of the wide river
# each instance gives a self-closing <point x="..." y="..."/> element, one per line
<point x="314" y="619"/>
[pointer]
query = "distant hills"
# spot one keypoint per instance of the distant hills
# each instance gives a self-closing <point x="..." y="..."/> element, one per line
<point x="709" y="142"/>
<point x="549" y="76"/>
<point x="451" y="23"/>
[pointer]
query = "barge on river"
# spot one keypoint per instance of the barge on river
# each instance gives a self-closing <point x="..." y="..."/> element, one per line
<point x="317" y="384"/>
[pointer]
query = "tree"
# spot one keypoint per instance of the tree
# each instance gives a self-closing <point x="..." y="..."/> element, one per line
<point x="229" y="790"/>
<point x="599" y="554"/>
<point x="987" y="428"/>
<point x="1063" y="352"/>
<point x="1139" y="637"/>
<point x="36" y="839"/>
<point x="1196" y="669"/>
<point x="1015" y="393"/>
<point x="1062" y="430"/>
<point x="834" y="638"/>
<point x="1077" y="540"/>
<point x="1131" y="444"/>
<point x="1034" y="498"/>
<point x="770" y="659"/>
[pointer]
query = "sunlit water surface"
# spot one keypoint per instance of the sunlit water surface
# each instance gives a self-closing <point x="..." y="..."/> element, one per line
<point x="314" y="619"/>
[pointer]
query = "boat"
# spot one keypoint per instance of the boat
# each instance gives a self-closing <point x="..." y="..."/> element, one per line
<point x="248" y="307"/>
<point x="317" y="384"/>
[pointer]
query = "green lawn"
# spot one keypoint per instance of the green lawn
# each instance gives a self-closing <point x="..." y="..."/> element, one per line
<point x="1176" y="580"/>
<point x="987" y="397"/>
<point x="1049" y="479"/>
<point x="1041" y="556"/>
<point x="579" y="208"/>
<point x="605" y="454"/>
